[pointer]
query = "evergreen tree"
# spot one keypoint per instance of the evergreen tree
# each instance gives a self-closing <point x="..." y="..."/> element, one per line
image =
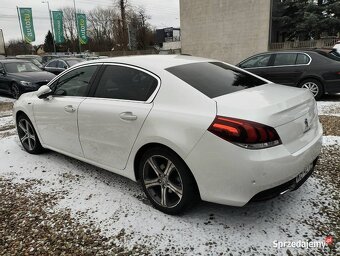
<point x="307" y="19"/>
<point x="48" y="44"/>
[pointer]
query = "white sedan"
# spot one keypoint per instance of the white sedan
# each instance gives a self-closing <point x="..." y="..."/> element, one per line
<point x="188" y="128"/>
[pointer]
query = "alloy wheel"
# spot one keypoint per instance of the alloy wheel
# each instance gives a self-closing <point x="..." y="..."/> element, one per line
<point x="162" y="181"/>
<point x="313" y="87"/>
<point x="27" y="134"/>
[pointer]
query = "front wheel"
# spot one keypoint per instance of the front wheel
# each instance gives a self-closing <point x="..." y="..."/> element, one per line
<point x="314" y="86"/>
<point x="28" y="136"/>
<point x="167" y="181"/>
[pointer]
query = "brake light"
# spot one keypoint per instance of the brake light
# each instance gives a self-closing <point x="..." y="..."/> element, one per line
<point x="246" y="134"/>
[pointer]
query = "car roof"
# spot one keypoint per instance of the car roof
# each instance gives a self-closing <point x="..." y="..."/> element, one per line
<point x="153" y="62"/>
<point x="66" y="58"/>
<point x="14" y="60"/>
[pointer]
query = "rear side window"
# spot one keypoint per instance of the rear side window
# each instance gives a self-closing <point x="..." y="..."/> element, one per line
<point x="215" y="79"/>
<point x="120" y="82"/>
<point x="285" y="59"/>
<point x="302" y="59"/>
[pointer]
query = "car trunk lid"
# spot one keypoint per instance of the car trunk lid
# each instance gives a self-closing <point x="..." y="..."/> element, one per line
<point x="291" y="111"/>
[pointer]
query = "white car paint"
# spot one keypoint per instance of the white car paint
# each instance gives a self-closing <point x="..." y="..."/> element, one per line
<point x="178" y="116"/>
<point x="337" y="47"/>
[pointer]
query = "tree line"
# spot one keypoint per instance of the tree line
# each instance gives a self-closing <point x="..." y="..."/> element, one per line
<point x="107" y="29"/>
<point x="307" y="19"/>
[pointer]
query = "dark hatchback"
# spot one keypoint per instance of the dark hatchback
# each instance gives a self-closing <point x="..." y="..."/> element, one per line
<point x="20" y="76"/>
<point x="315" y="70"/>
<point x="56" y="66"/>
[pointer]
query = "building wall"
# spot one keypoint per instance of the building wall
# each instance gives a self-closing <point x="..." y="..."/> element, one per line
<point x="227" y="30"/>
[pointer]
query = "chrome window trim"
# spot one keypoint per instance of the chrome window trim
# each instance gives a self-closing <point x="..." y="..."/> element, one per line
<point x="82" y="65"/>
<point x="152" y="96"/>
<point x="69" y="70"/>
<point x="279" y="66"/>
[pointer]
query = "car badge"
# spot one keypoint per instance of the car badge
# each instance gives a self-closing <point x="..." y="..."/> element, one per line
<point x="307" y="127"/>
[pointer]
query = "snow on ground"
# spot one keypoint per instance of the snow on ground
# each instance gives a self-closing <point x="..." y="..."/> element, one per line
<point x="330" y="140"/>
<point x="115" y="203"/>
<point x="6" y="99"/>
<point x="331" y="108"/>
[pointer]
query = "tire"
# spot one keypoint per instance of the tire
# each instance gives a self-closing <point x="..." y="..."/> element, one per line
<point x="314" y="86"/>
<point x="167" y="181"/>
<point x="28" y="136"/>
<point x="15" y="91"/>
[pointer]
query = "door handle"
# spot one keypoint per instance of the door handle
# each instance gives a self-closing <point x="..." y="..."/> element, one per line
<point x="69" y="108"/>
<point x="128" y="116"/>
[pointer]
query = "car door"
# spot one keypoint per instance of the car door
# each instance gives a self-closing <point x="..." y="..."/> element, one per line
<point x="109" y="122"/>
<point x="4" y="81"/>
<point x="287" y="68"/>
<point x="56" y="116"/>
<point x="257" y="64"/>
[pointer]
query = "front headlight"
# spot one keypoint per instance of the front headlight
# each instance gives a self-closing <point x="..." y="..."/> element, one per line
<point x="26" y="83"/>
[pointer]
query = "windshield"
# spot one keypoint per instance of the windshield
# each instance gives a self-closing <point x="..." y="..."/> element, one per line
<point x="18" y="67"/>
<point x="215" y="79"/>
<point x="73" y="62"/>
<point x="36" y="62"/>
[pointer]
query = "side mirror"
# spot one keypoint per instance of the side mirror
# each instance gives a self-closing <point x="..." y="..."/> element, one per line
<point x="2" y="72"/>
<point x="43" y="91"/>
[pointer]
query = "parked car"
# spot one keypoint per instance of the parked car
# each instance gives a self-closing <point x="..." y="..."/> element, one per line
<point x="35" y="59"/>
<point x="186" y="127"/>
<point x="317" y="71"/>
<point x="336" y="47"/>
<point x="56" y="66"/>
<point x="20" y="76"/>
<point x="46" y="58"/>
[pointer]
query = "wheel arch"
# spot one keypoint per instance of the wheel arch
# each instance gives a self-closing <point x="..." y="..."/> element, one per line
<point x="19" y="113"/>
<point x="319" y="79"/>
<point x="148" y="146"/>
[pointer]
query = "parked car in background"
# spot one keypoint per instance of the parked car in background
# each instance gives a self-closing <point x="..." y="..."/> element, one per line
<point x="177" y="124"/>
<point x="36" y="59"/>
<point x="56" y="66"/>
<point x="336" y="47"/>
<point x="46" y="58"/>
<point x="317" y="71"/>
<point x="20" y="76"/>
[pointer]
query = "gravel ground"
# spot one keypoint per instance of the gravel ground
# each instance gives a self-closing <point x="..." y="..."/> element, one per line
<point x="55" y="205"/>
<point x="331" y="125"/>
<point x="29" y="225"/>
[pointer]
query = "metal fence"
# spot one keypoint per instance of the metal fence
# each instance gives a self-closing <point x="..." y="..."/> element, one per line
<point x="322" y="43"/>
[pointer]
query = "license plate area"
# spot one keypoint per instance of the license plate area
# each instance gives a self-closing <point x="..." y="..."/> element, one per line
<point x="305" y="171"/>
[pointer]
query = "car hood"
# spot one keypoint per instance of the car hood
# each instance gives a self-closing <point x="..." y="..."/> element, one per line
<point x="33" y="77"/>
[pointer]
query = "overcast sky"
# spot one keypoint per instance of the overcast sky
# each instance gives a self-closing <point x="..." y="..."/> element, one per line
<point x="164" y="13"/>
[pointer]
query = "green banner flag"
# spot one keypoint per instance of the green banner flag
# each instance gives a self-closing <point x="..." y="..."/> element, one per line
<point x="58" y="26"/>
<point x="27" y="24"/>
<point x="82" y="28"/>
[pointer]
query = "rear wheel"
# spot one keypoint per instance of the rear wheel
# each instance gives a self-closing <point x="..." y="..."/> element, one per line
<point x="28" y="136"/>
<point x="314" y="86"/>
<point x="15" y="91"/>
<point x="167" y="181"/>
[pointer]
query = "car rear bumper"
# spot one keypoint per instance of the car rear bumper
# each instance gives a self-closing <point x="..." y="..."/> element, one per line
<point x="228" y="174"/>
<point x="332" y="86"/>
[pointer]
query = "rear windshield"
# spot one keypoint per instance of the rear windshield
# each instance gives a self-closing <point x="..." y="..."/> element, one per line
<point x="214" y="79"/>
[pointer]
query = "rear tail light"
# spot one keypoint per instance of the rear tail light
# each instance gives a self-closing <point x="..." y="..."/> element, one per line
<point x="246" y="134"/>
